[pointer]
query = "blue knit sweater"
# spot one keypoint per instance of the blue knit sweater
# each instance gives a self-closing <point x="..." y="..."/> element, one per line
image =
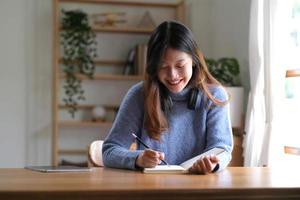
<point x="190" y="133"/>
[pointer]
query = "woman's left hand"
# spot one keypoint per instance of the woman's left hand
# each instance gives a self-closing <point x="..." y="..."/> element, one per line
<point x="204" y="165"/>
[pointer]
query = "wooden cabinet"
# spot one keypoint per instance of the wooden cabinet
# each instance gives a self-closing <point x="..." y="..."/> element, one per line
<point x="237" y="153"/>
<point x="72" y="136"/>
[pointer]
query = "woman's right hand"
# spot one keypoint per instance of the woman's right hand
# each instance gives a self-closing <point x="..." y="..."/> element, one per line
<point x="149" y="158"/>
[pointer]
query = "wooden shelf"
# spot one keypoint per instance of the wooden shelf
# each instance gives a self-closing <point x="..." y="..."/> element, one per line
<point x="125" y="3"/>
<point x="72" y="151"/>
<point x="174" y="10"/>
<point x="85" y="123"/>
<point x="110" y="62"/>
<point x="125" y="30"/>
<point x="99" y="63"/>
<point x="89" y="107"/>
<point x="109" y="77"/>
<point x="131" y="30"/>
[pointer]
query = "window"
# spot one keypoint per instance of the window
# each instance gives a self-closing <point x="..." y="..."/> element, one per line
<point x="292" y="84"/>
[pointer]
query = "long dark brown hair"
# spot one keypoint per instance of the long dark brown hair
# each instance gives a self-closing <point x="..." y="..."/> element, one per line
<point x="171" y="34"/>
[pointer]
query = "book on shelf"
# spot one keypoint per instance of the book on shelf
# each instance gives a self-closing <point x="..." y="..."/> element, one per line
<point x="136" y="60"/>
<point x="183" y="167"/>
<point x="129" y="66"/>
<point x="140" y="59"/>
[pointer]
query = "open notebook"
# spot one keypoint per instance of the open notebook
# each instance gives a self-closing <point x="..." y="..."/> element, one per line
<point x="63" y="168"/>
<point x="183" y="167"/>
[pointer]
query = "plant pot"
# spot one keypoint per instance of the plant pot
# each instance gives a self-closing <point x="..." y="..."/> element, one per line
<point x="236" y="106"/>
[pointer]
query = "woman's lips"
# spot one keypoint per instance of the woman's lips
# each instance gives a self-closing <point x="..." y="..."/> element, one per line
<point x="174" y="82"/>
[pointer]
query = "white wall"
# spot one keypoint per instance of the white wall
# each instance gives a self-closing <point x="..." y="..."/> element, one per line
<point x="12" y="84"/>
<point x="200" y="21"/>
<point x="38" y="45"/>
<point x="220" y="27"/>
<point x="230" y="33"/>
<point x="25" y="82"/>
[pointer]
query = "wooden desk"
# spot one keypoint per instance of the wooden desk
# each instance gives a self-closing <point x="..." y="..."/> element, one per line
<point x="101" y="183"/>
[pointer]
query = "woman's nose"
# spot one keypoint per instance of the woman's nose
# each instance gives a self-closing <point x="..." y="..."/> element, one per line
<point x="173" y="73"/>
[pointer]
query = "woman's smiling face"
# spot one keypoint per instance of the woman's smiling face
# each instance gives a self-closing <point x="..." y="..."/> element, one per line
<point x="176" y="70"/>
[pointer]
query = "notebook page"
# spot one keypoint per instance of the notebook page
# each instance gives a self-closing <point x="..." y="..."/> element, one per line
<point x="165" y="169"/>
<point x="189" y="163"/>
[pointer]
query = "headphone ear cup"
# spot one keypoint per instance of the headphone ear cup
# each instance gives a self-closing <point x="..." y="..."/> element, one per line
<point x="170" y="103"/>
<point x="193" y="99"/>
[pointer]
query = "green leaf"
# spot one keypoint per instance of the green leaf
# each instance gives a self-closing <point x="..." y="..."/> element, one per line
<point x="77" y="40"/>
<point x="225" y="70"/>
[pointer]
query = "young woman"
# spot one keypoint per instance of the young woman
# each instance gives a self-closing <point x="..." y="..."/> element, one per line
<point x="179" y="110"/>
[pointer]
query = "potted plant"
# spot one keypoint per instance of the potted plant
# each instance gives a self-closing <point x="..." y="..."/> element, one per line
<point x="79" y="49"/>
<point x="226" y="71"/>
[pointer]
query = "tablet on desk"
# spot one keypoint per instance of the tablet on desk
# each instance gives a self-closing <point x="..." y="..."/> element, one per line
<point x="64" y="168"/>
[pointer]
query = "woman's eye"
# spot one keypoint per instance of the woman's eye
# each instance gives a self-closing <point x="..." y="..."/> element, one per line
<point x="180" y="66"/>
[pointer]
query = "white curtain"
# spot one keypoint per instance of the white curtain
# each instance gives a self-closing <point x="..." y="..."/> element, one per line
<point x="38" y="55"/>
<point x="262" y="143"/>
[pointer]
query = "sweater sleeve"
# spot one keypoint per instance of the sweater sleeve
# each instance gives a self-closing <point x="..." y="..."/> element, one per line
<point x="219" y="130"/>
<point x="129" y="119"/>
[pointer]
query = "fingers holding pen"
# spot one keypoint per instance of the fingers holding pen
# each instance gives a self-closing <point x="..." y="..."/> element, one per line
<point x="149" y="158"/>
<point x="153" y="157"/>
<point x="161" y="156"/>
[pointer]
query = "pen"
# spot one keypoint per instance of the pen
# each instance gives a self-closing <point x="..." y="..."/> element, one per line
<point x="140" y="141"/>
